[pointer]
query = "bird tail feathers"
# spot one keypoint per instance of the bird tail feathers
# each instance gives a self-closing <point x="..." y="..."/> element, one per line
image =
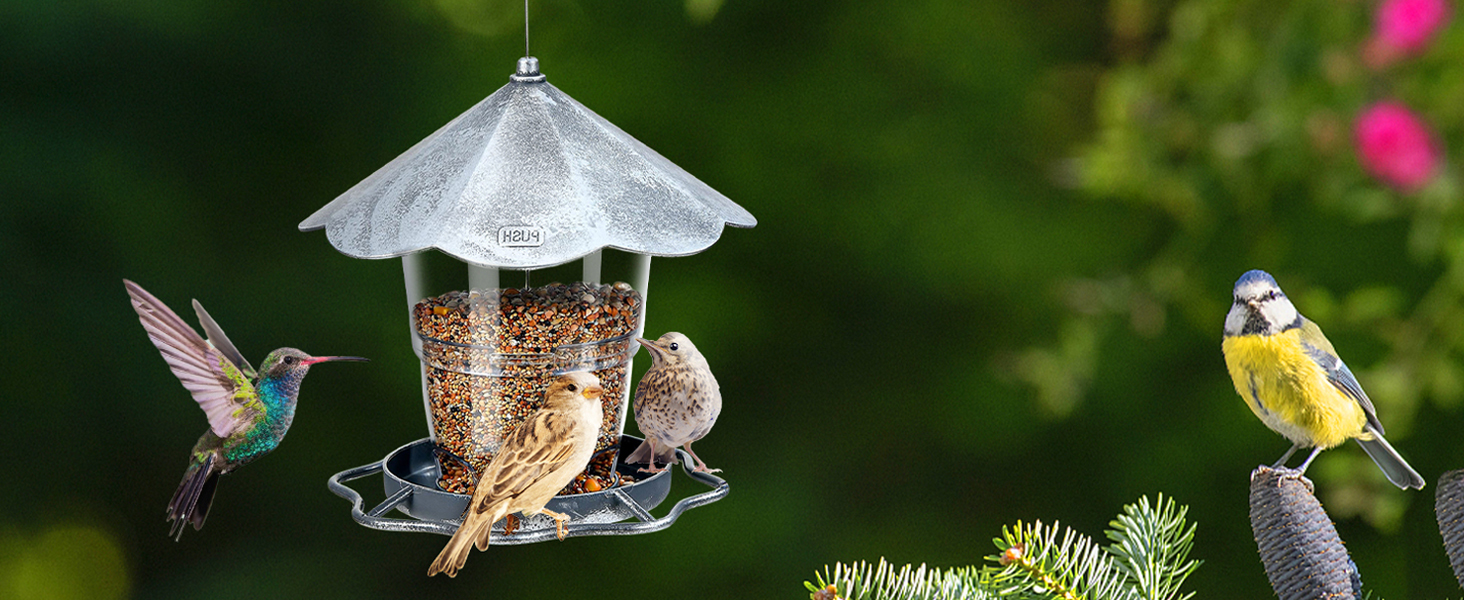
<point x="1390" y="461"/>
<point x="194" y="497"/>
<point x="482" y="542"/>
<point x="474" y="531"/>
<point x="665" y="455"/>
<point x="455" y="554"/>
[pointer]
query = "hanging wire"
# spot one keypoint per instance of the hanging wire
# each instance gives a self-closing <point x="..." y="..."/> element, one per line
<point x="526" y="28"/>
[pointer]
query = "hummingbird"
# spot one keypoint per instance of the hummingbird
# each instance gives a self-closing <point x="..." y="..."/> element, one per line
<point x="248" y="411"/>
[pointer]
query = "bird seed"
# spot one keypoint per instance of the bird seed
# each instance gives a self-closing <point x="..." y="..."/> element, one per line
<point x="491" y="354"/>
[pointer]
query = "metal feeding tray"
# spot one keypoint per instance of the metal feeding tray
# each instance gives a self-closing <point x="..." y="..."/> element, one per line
<point x="409" y="478"/>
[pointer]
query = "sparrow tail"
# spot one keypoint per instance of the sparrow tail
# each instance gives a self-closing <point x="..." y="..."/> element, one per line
<point x="455" y="554"/>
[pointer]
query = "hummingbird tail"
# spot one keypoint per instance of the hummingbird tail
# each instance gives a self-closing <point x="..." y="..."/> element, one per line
<point x="1390" y="461"/>
<point x="642" y="454"/>
<point x="191" y="502"/>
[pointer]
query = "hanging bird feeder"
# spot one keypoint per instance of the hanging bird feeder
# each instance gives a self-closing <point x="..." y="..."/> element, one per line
<point x="526" y="228"/>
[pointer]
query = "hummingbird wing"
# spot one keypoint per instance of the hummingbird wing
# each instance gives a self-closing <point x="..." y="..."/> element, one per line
<point x="1320" y="350"/>
<point x="215" y="382"/>
<point x="221" y="342"/>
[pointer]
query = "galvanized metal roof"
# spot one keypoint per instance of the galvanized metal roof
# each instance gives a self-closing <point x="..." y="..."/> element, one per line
<point x="527" y="178"/>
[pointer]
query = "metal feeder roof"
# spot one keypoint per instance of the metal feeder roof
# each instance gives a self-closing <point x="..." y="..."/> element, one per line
<point x="527" y="178"/>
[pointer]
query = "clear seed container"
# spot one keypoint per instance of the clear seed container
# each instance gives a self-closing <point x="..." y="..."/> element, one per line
<point x="491" y="348"/>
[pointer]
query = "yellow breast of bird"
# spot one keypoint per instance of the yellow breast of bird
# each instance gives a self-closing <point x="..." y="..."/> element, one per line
<point x="1289" y="391"/>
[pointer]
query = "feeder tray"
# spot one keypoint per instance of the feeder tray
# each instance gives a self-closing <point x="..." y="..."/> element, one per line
<point x="409" y="476"/>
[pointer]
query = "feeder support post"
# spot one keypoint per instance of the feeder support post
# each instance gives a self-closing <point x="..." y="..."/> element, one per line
<point x="413" y="267"/>
<point x="591" y="273"/>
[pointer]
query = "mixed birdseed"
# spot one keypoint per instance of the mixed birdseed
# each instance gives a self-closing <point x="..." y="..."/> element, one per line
<point x="491" y="354"/>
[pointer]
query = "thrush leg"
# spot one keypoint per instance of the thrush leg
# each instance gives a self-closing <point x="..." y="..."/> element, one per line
<point x="652" y="441"/>
<point x="701" y="467"/>
<point x="559" y="519"/>
<point x="1284" y="457"/>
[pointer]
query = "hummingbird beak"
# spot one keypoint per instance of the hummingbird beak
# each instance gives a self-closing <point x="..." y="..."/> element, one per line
<point x="320" y="359"/>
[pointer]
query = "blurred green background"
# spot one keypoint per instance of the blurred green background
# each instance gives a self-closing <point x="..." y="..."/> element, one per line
<point x="995" y="248"/>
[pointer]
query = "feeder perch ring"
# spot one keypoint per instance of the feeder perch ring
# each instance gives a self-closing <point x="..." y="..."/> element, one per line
<point x="430" y="509"/>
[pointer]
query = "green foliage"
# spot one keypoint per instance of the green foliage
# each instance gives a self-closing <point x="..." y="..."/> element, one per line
<point x="1151" y="547"/>
<point x="1146" y="562"/>
<point x="72" y="561"/>
<point x="884" y="581"/>
<point x="1036" y="564"/>
<point x="1232" y="123"/>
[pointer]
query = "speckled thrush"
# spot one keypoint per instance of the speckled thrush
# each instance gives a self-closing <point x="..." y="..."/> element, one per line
<point x="676" y="402"/>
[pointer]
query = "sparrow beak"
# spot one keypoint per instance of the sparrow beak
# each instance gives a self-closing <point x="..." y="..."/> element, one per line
<point x="320" y="359"/>
<point x="594" y="391"/>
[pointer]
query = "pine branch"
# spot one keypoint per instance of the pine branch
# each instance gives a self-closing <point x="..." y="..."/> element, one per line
<point x="1148" y="561"/>
<point x="1151" y="546"/>
<point x="1035" y="564"/>
<point x="863" y="581"/>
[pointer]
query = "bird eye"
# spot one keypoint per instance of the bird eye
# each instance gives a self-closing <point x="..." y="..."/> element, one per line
<point x="573" y="387"/>
<point x="675" y="346"/>
<point x="289" y="360"/>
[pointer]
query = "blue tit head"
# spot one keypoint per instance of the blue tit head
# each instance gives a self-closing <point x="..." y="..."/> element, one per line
<point x="1260" y="307"/>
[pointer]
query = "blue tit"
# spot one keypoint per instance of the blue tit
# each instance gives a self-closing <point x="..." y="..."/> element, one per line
<point x="1291" y="378"/>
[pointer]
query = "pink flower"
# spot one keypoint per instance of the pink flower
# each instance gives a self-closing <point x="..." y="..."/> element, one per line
<point x="1407" y="26"/>
<point x="1394" y="145"/>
